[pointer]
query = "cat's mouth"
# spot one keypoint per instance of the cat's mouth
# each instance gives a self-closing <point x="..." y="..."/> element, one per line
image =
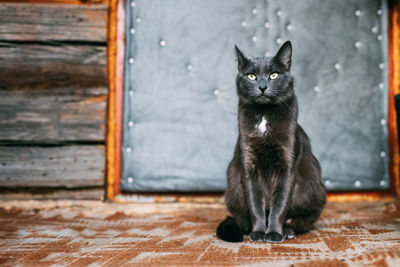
<point x="263" y="99"/>
<point x="264" y="96"/>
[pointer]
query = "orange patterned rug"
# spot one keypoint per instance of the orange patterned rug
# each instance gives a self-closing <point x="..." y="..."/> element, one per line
<point x="82" y="233"/>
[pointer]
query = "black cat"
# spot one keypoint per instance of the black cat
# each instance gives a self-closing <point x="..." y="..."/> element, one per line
<point x="274" y="187"/>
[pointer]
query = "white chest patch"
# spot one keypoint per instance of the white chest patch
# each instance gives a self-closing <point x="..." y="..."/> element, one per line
<point x="262" y="127"/>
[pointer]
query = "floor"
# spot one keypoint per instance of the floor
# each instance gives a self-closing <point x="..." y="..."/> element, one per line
<point x="89" y="233"/>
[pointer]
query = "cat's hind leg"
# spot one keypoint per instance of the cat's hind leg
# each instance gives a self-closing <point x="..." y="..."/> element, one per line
<point x="302" y="221"/>
<point x="288" y="232"/>
<point x="233" y="228"/>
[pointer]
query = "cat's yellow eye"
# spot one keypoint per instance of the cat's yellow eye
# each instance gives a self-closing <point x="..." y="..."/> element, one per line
<point x="273" y="76"/>
<point x="251" y="76"/>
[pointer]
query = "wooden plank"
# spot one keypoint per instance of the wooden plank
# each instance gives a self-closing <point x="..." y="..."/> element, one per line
<point x="32" y="22"/>
<point x="50" y="116"/>
<point x="61" y="166"/>
<point x="25" y="66"/>
<point x="75" y="2"/>
<point x="116" y="42"/>
<point x="394" y="88"/>
<point x="96" y="193"/>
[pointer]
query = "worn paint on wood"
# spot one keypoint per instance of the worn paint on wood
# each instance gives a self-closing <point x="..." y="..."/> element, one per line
<point x="116" y="49"/>
<point x="26" y="66"/>
<point x="61" y="166"/>
<point x="27" y="22"/>
<point x="51" y="116"/>
<point x="394" y="88"/>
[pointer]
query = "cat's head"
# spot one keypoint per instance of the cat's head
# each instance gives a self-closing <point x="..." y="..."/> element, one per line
<point x="265" y="80"/>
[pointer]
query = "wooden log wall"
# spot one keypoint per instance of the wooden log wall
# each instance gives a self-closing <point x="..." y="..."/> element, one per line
<point x="53" y="98"/>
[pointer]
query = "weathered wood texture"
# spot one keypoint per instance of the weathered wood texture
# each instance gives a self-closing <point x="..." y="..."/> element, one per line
<point x="53" y="90"/>
<point x="27" y="22"/>
<point x="50" y="116"/>
<point x="96" y="193"/>
<point x="62" y="166"/>
<point x="25" y="66"/>
<point x="75" y="2"/>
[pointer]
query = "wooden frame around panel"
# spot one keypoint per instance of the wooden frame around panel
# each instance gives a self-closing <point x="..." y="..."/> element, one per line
<point x="116" y="47"/>
<point x="394" y="88"/>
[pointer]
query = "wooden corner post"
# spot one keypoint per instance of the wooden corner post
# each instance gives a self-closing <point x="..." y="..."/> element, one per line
<point x="394" y="88"/>
<point x="116" y="47"/>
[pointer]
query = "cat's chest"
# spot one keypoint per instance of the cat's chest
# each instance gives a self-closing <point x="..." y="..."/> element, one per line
<point x="258" y="127"/>
<point x="261" y="125"/>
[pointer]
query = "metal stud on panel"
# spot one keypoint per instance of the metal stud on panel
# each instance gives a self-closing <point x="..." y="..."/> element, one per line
<point x="289" y="27"/>
<point x="189" y="67"/>
<point x="357" y="183"/>
<point x="358" y="44"/>
<point x="383" y="154"/>
<point x="254" y="11"/>
<point x="383" y="122"/>
<point x="243" y="23"/>
<point x="163" y="43"/>
<point x="381" y="66"/>
<point x="130" y="92"/>
<point x="130" y="123"/>
<point x="279" y="41"/>
<point x="132" y="31"/>
<point x="379" y="37"/>
<point x="357" y="13"/>
<point x="133" y="4"/>
<point x="328" y="183"/>
<point x="317" y="88"/>
<point x="279" y="13"/>
<point x="337" y="66"/>
<point x="382" y="183"/>
<point x="254" y="39"/>
<point x="130" y="180"/>
<point x="216" y="92"/>
<point x="379" y="12"/>
<point x="138" y="20"/>
<point x="131" y="60"/>
<point x="381" y="85"/>
<point x="374" y="29"/>
<point x="266" y="25"/>
<point x="128" y="149"/>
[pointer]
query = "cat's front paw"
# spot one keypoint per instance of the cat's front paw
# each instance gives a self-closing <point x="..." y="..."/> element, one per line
<point x="257" y="236"/>
<point x="274" y="237"/>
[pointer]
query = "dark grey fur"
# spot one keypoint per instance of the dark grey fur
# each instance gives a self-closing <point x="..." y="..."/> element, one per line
<point x="274" y="187"/>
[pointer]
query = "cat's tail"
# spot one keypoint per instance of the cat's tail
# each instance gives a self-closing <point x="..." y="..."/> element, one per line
<point x="229" y="231"/>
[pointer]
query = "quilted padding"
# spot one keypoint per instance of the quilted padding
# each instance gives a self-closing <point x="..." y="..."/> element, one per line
<point x="180" y="104"/>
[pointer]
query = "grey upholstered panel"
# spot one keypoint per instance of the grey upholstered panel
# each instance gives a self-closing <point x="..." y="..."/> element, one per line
<point x="180" y="102"/>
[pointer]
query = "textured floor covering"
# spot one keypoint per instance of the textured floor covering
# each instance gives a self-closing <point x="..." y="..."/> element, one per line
<point x="92" y="233"/>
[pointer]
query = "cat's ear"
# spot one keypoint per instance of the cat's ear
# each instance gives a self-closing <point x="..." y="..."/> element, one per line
<point x="284" y="55"/>
<point x="241" y="58"/>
